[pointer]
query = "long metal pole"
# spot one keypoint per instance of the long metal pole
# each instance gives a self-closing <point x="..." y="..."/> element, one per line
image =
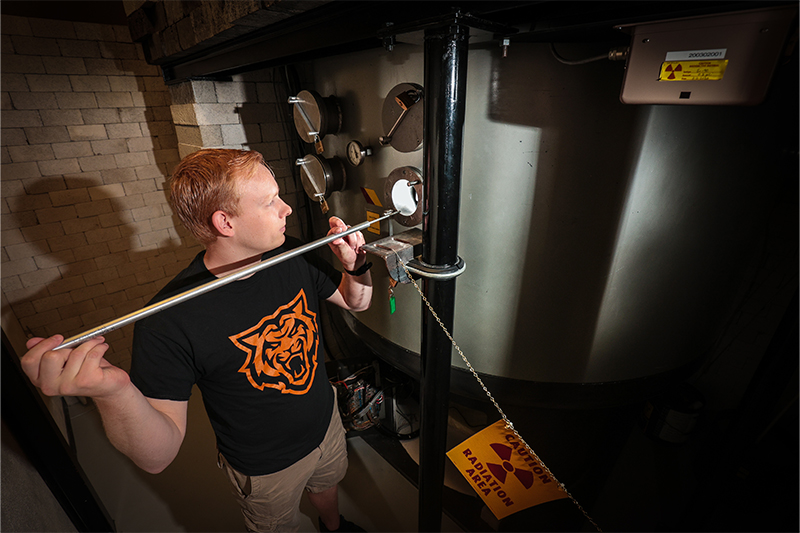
<point x="215" y="284"/>
<point x="445" y="95"/>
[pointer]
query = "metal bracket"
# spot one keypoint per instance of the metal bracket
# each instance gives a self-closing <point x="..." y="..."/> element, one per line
<point x="396" y="246"/>
<point x="401" y="247"/>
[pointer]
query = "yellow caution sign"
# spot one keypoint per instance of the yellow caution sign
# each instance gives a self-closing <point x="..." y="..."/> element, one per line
<point x="693" y="70"/>
<point x="502" y="472"/>
<point x="376" y="227"/>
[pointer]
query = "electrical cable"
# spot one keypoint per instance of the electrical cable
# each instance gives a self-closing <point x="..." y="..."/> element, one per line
<point x="576" y="62"/>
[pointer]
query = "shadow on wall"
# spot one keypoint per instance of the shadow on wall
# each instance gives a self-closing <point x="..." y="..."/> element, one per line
<point x="586" y="160"/>
<point x="101" y="268"/>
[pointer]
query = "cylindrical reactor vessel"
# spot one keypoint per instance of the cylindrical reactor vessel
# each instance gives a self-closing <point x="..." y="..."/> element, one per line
<point x="604" y="243"/>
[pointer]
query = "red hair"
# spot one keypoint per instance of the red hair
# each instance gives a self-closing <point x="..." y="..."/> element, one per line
<point x="204" y="182"/>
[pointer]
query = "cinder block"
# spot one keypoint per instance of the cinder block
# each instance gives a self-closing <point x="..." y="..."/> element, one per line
<point x="100" y="116"/>
<point x="90" y="83"/>
<point x="75" y="48"/>
<point x="139" y="187"/>
<point x="141" y="144"/>
<point x="47" y="134"/>
<point x="23" y="64"/>
<point x="157" y="128"/>
<point x="72" y="100"/>
<point x="66" y="285"/>
<point x="14" y="25"/>
<point x="18" y="171"/>
<point x="122" y="33"/>
<point x="140" y="67"/>
<point x="102" y="235"/>
<point x="98" y="317"/>
<point x="51" y="302"/>
<point x="43" y="231"/>
<point x="135" y="159"/>
<point x="91" y="252"/>
<point x="59" y="167"/>
<point x="125" y="83"/>
<point x="110" y="147"/>
<point x="132" y="114"/>
<point x="13" y="137"/>
<point x="72" y="149"/>
<point x="64" y="65"/>
<point x="184" y="114"/>
<point x="80" y="225"/>
<point x="94" y="32"/>
<point x="75" y="310"/>
<point x="19" y="119"/>
<point x="33" y="152"/>
<point x="52" y="28"/>
<point x="181" y="93"/>
<point x="87" y="133"/>
<point x="54" y="260"/>
<point x="118" y="50"/>
<point x="13" y="82"/>
<point x="61" y="117"/>
<point x="112" y="99"/>
<point x="216" y="114"/>
<point x="35" y="46"/>
<point x="118" y="175"/>
<point x="233" y="134"/>
<point x="90" y="209"/>
<point x="120" y="284"/>
<point x="56" y="214"/>
<point x="25" y="250"/>
<point x="119" y="131"/>
<point x="32" y="101"/>
<point x="87" y="293"/>
<point x="98" y="162"/>
<point x="69" y="197"/>
<point x="39" y="186"/>
<point x="19" y="266"/>
<point x="104" y="67"/>
<point x="106" y="191"/>
<point x="48" y="82"/>
<point x="28" y="202"/>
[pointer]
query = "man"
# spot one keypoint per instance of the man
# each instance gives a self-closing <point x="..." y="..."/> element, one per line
<point x="253" y="347"/>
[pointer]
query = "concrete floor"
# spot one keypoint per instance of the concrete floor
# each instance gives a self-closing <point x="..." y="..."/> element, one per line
<point x="653" y="485"/>
<point x="193" y="495"/>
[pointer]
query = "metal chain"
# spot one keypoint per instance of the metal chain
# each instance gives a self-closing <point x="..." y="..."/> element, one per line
<point x="509" y="424"/>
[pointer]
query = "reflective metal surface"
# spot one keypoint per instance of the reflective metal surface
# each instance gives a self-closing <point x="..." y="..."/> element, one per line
<point x="605" y="242"/>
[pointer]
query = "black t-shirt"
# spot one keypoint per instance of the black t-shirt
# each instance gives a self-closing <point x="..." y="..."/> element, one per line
<point x="254" y="348"/>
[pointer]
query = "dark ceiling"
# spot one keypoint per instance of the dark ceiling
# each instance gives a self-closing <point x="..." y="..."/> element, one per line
<point x="98" y="11"/>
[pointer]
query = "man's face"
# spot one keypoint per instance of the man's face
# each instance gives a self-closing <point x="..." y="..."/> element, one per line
<point x="261" y="222"/>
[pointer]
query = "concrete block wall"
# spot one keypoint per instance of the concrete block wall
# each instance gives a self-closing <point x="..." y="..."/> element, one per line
<point x="248" y="112"/>
<point x="87" y="145"/>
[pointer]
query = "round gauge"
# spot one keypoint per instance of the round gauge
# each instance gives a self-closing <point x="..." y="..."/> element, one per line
<point x="356" y="153"/>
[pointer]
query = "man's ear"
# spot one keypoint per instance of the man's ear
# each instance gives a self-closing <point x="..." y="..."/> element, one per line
<point x="222" y="223"/>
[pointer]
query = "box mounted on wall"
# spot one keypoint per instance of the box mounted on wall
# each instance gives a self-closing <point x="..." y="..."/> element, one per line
<point x="725" y="59"/>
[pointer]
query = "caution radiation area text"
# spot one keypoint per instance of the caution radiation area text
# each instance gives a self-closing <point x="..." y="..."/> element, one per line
<point x="502" y="472"/>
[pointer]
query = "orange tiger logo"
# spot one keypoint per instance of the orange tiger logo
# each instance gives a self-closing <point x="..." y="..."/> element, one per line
<point x="282" y="349"/>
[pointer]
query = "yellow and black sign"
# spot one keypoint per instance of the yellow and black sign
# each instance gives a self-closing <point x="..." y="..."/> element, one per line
<point x="693" y="70"/>
<point x="502" y="472"/>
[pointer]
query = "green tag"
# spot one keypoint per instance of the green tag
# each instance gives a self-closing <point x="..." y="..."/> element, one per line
<point x="392" y="306"/>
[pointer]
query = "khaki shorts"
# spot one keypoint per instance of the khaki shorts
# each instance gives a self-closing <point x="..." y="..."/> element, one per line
<point x="272" y="502"/>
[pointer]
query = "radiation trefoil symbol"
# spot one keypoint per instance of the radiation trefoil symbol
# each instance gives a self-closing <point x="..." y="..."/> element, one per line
<point x="501" y="471"/>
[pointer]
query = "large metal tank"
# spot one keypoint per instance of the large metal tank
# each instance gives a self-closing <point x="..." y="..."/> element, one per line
<point x="604" y="243"/>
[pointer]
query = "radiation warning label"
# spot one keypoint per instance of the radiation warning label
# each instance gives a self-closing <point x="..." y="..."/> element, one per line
<point x="693" y="70"/>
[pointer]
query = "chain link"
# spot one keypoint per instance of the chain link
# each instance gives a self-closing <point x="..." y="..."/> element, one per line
<point x="509" y="424"/>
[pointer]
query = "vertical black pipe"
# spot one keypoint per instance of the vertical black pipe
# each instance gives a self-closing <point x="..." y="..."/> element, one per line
<point x="445" y="94"/>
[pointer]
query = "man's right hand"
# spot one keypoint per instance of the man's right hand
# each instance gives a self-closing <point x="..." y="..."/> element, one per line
<point x="81" y="371"/>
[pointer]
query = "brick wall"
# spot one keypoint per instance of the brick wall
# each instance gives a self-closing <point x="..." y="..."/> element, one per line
<point x="90" y="133"/>
<point x="87" y="144"/>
